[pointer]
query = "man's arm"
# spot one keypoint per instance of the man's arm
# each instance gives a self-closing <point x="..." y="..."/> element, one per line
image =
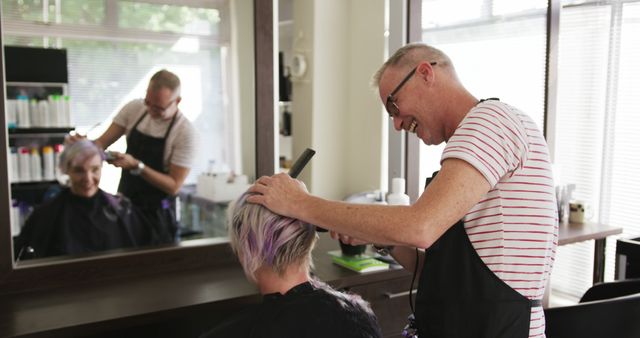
<point x="112" y="134"/>
<point x="456" y="189"/>
<point x="169" y="183"/>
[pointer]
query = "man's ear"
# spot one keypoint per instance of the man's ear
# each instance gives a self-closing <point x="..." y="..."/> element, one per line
<point x="178" y="99"/>
<point x="425" y="71"/>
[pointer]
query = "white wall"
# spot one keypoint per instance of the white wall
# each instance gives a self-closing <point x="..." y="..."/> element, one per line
<point x="335" y="111"/>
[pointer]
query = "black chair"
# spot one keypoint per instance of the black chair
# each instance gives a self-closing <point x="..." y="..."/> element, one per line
<point x="605" y="310"/>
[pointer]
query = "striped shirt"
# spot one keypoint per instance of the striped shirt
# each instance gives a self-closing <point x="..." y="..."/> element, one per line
<point x="514" y="226"/>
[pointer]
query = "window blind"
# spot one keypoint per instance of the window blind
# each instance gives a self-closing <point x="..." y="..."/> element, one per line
<point x="499" y="50"/>
<point x="596" y="126"/>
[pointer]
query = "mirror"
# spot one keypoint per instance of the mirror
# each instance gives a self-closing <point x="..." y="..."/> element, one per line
<point x="112" y="49"/>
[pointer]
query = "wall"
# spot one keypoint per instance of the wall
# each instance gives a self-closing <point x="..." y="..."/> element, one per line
<point x="243" y="60"/>
<point x="335" y="111"/>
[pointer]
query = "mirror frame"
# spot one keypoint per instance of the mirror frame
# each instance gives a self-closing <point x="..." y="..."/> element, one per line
<point x="52" y="273"/>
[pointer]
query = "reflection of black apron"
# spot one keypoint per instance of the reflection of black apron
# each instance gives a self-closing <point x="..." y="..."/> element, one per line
<point x="459" y="296"/>
<point x="157" y="205"/>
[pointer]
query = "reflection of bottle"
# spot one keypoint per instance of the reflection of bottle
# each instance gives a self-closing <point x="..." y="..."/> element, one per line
<point x="24" y="164"/>
<point x="195" y="217"/>
<point x="48" y="161"/>
<point x="14" y="172"/>
<point x="24" y="120"/>
<point x="185" y="213"/>
<point x="36" y="165"/>
<point x="286" y="122"/>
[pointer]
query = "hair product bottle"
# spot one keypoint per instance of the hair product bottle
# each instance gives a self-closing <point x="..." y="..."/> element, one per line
<point x="397" y="195"/>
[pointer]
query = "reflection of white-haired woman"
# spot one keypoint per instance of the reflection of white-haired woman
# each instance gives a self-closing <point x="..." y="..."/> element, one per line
<point x="82" y="218"/>
<point x="275" y="253"/>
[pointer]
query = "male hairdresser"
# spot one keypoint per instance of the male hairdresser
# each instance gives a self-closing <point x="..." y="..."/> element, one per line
<point x="160" y="148"/>
<point x="487" y="222"/>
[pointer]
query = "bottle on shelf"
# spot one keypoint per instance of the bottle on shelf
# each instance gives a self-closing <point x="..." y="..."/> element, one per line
<point x="14" y="171"/>
<point x="35" y="165"/>
<point x="24" y="164"/>
<point x="48" y="161"/>
<point x="397" y="195"/>
<point x="12" y="117"/>
<point x="22" y="109"/>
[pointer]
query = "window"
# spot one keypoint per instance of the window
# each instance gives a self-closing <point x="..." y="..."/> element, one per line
<point x="113" y="48"/>
<point x="596" y="126"/>
<point x="498" y="48"/>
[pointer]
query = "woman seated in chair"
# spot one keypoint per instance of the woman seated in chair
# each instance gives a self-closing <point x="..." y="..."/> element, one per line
<point x="275" y="253"/>
<point x="82" y="218"/>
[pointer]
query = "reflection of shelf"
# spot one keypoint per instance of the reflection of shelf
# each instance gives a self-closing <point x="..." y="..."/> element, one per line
<point x="33" y="193"/>
<point x="21" y="186"/>
<point x="38" y="132"/>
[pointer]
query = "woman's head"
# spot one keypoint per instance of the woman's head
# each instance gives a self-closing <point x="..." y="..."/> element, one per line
<point x="82" y="162"/>
<point x="261" y="238"/>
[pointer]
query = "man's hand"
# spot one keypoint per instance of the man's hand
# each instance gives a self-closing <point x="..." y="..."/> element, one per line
<point x="123" y="160"/>
<point x="279" y="193"/>
<point x="347" y="239"/>
<point x="73" y="138"/>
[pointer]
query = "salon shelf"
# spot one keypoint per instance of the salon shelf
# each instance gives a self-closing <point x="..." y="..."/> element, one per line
<point x="28" y="132"/>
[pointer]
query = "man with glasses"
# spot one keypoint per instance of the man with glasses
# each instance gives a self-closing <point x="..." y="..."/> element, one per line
<point x="486" y="224"/>
<point x="160" y="149"/>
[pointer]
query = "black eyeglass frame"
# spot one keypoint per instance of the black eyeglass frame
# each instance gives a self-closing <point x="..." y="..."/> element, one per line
<point x="390" y="105"/>
<point x="159" y="109"/>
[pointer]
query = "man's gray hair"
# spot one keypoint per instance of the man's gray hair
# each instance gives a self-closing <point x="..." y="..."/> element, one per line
<point x="410" y="55"/>
<point x="165" y="79"/>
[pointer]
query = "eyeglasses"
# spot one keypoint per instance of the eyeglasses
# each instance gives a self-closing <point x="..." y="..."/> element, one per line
<point x="158" y="109"/>
<point x="390" y="105"/>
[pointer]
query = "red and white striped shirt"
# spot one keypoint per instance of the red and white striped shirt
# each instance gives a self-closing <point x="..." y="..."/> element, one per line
<point x="514" y="227"/>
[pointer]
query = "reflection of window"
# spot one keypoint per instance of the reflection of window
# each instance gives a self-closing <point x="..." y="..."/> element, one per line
<point x="113" y="51"/>
<point x="597" y="125"/>
<point x="498" y="48"/>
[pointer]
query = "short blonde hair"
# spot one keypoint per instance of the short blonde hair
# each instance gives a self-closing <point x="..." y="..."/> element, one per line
<point x="165" y="79"/>
<point x="261" y="238"/>
<point x="76" y="153"/>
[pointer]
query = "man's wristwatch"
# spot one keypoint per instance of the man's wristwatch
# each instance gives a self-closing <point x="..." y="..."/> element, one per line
<point x="383" y="250"/>
<point x="138" y="170"/>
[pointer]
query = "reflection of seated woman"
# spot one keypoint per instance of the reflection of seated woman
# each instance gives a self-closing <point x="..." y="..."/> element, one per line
<point x="275" y="252"/>
<point x="82" y="218"/>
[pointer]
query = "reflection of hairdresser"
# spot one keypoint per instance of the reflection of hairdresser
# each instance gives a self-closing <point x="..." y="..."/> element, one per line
<point x="82" y="218"/>
<point x="160" y="148"/>
<point x="275" y="252"/>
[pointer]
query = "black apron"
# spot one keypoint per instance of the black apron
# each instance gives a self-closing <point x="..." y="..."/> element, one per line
<point x="459" y="296"/>
<point x="157" y="205"/>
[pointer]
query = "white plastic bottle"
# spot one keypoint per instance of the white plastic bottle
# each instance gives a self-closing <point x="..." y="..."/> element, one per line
<point x="36" y="165"/>
<point x="397" y="195"/>
<point x="66" y="119"/>
<point x="14" y="170"/>
<point x="24" y="164"/>
<point x="34" y="117"/>
<point x="43" y="112"/>
<point x="24" y="120"/>
<point x="49" y="165"/>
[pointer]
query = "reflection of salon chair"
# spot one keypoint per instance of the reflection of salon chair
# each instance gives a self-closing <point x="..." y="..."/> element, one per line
<point x="605" y="310"/>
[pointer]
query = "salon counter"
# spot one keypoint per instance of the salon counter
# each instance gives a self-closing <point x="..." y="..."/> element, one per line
<point x="181" y="304"/>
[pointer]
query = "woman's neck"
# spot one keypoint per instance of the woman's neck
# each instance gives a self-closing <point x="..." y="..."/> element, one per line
<point x="269" y="281"/>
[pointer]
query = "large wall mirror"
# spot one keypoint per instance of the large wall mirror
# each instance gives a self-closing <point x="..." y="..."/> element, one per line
<point x="112" y="47"/>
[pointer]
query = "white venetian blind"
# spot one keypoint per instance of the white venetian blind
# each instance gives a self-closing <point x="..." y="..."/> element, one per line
<point x="498" y="49"/>
<point x="597" y="126"/>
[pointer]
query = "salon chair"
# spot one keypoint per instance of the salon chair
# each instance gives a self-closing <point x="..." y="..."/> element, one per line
<point x="605" y="310"/>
